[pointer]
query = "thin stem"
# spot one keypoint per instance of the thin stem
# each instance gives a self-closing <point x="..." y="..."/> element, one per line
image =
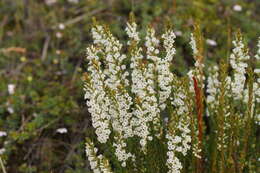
<point x="2" y="165"/>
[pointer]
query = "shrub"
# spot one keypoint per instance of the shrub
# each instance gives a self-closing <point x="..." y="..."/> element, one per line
<point x="148" y="119"/>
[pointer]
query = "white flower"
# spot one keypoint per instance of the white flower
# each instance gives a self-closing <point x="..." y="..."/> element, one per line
<point x="131" y="32"/>
<point x="62" y="130"/>
<point x="11" y="88"/>
<point x="61" y="26"/>
<point x="211" y="42"/>
<point x="2" y="150"/>
<point x="178" y="33"/>
<point x="121" y="153"/>
<point x="213" y="85"/>
<point x="50" y="2"/>
<point x="10" y="109"/>
<point x="237" y="7"/>
<point x="58" y="34"/>
<point x="238" y="60"/>
<point x="178" y="136"/>
<point x="193" y="45"/>
<point x="58" y="52"/>
<point x="257" y="71"/>
<point x="173" y="163"/>
<point x="257" y="56"/>
<point x="99" y="164"/>
<point x="98" y="101"/>
<point x="73" y="1"/>
<point x="106" y="108"/>
<point x="154" y="66"/>
<point x="146" y="110"/>
<point x="198" y="71"/>
<point x="3" y="133"/>
<point x="165" y="76"/>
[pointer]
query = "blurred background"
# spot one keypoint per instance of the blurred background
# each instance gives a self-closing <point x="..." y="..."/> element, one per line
<point x="43" y="117"/>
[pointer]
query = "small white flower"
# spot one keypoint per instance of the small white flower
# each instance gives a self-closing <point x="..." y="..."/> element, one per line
<point x="61" y="26"/>
<point x="257" y="71"/>
<point x="166" y="119"/>
<point x="62" y="130"/>
<point x="73" y="1"/>
<point x="3" y="133"/>
<point x="2" y="150"/>
<point x="58" y="34"/>
<point x="193" y="45"/>
<point x="211" y="42"/>
<point x="237" y="7"/>
<point x="10" y="110"/>
<point x="178" y="33"/>
<point x="257" y="56"/>
<point x="11" y="88"/>
<point x="123" y="164"/>
<point x="50" y="2"/>
<point x="98" y="163"/>
<point x="58" y="52"/>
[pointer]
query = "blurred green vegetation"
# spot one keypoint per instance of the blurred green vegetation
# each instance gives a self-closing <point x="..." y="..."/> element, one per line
<point x="42" y="50"/>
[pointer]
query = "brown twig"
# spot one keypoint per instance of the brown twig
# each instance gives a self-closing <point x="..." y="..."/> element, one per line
<point x="199" y="106"/>
<point x="14" y="49"/>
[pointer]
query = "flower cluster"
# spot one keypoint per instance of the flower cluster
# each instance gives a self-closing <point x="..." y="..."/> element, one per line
<point x="165" y="76"/>
<point x="193" y="45"/>
<point x="256" y="85"/>
<point x="131" y="32"/>
<point x="213" y="87"/>
<point x="98" y="102"/>
<point x="257" y="72"/>
<point x="139" y="88"/>
<point x="178" y="134"/>
<point x="180" y="102"/>
<point x="238" y="63"/>
<point x="98" y="164"/>
<point x="218" y="86"/>
<point x="114" y="84"/>
<point x="173" y="163"/>
<point x="151" y="43"/>
<point x="199" y="66"/>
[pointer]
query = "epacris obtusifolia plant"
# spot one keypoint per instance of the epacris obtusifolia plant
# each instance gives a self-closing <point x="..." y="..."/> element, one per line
<point x="149" y="120"/>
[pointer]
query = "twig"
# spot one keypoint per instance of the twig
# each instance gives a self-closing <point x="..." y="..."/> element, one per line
<point x="75" y="71"/>
<point x="47" y="125"/>
<point x="14" y="49"/>
<point x="199" y="105"/>
<point x="2" y="165"/>
<point x="81" y="17"/>
<point x="2" y="24"/>
<point x="75" y="142"/>
<point x="45" y="47"/>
